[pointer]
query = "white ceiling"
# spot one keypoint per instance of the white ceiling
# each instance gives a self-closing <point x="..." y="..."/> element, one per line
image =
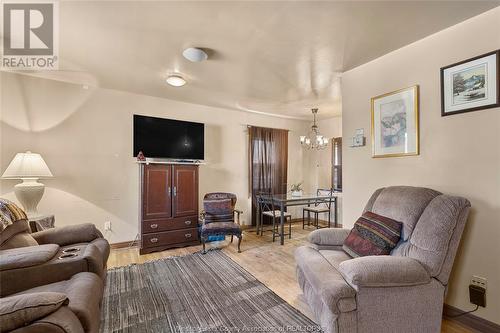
<point x="272" y="57"/>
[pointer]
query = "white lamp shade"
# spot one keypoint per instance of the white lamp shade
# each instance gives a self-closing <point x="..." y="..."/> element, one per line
<point x="27" y="165"/>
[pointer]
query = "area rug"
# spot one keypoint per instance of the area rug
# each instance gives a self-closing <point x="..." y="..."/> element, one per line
<point x="195" y="293"/>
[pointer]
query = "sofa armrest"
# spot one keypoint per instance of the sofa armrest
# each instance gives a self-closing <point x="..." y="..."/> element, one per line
<point x="73" y="234"/>
<point x="59" y="268"/>
<point x="383" y="271"/>
<point x="27" y="256"/>
<point x="94" y="260"/>
<point x="328" y="237"/>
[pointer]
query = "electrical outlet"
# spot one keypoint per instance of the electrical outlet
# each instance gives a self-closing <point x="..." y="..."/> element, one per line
<point x="477" y="295"/>
<point x="479" y="281"/>
<point x="107" y="226"/>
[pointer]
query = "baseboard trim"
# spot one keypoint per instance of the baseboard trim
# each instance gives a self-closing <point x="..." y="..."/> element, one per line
<point x="471" y="321"/>
<point x="122" y="245"/>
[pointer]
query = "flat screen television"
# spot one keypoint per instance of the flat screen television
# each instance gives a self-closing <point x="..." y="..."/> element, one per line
<point x="168" y="138"/>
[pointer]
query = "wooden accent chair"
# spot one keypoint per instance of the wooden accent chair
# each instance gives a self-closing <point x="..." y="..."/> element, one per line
<point x="220" y="218"/>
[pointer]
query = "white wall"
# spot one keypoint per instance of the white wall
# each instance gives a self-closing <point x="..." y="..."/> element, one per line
<point x="460" y="154"/>
<point x="321" y="161"/>
<point x="85" y="136"/>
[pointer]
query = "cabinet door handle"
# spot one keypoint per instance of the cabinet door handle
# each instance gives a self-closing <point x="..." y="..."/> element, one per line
<point x="154" y="240"/>
<point x="169" y="191"/>
<point x="188" y="235"/>
<point x="154" y="226"/>
<point x="187" y="222"/>
<point x="175" y="191"/>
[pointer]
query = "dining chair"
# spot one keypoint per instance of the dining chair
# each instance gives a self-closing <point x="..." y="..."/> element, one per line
<point x="268" y="209"/>
<point x="321" y="206"/>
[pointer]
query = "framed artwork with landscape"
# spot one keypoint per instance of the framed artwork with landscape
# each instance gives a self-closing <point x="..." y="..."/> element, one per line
<point x="471" y="85"/>
<point x="395" y="123"/>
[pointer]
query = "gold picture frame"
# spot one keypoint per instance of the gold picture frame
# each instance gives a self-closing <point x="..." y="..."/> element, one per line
<point x="396" y="133"/>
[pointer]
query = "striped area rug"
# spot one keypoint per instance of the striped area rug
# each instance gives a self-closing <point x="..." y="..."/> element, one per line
<point x="195" y="293"/>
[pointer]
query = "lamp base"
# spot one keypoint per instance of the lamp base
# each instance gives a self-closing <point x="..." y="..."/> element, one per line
<point x="29" y="193"/>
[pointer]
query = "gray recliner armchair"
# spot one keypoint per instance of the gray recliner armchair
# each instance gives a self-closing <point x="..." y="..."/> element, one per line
<point x="401" y="292"/>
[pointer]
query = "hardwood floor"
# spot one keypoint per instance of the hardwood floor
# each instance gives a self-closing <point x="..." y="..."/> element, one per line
<point x="272" y="264"/>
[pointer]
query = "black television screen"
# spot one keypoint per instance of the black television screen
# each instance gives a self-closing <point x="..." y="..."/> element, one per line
<point x="167" y="138"/>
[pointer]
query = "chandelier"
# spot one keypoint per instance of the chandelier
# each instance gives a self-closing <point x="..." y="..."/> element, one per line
<point x="314" y="139"/>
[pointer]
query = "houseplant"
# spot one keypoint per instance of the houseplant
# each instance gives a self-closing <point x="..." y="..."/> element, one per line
<point x="296" y="190"/>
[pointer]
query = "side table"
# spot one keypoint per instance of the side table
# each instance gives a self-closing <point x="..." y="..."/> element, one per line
<point x="41" y="222"/>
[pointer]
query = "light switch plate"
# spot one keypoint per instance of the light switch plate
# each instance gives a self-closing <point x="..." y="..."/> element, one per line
<point x="107" y="226"/>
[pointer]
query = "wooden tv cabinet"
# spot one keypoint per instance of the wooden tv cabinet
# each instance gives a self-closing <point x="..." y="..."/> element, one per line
<point x="169" y="206"/>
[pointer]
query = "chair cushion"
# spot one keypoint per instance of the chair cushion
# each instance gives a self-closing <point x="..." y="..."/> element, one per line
<point x="401" y="203"/>
<point x="334" y="257"/>
<point x="20" y="310"/>
<point x="372" y="234"/>
<point x="277" y="213"/>
<point x="220" y="228"/>
<point x="317" y="209"/>
<point x="436" y="236"/>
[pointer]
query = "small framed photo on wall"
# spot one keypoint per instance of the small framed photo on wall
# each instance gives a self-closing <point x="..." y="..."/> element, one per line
<point x="471" y="85"/>
<point x="395" y="123"/>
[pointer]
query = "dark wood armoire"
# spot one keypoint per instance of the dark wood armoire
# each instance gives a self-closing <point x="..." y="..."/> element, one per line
<point x="169" y="206"/>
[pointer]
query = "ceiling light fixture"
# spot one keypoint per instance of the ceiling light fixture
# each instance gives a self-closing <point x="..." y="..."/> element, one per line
<point x="176" y="80"/>
<point x="195" y="54"/>
<point x="314" y="140"/>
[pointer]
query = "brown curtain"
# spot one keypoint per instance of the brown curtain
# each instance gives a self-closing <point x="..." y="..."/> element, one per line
<point x="268" y="162"/>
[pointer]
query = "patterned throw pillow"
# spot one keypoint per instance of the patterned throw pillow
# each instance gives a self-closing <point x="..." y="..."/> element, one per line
<point x="10" y="213"/>
<point x="372" y="235"/>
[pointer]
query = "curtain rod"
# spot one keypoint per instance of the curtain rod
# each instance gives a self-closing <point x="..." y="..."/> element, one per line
<point x="281" y="129"/>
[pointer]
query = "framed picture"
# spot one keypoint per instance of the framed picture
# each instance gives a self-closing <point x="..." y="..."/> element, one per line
<point x="395" y="123"/>
<point x="471" y="85"/>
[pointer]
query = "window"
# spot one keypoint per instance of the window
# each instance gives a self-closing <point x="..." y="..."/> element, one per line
<point x="337" y="164"/>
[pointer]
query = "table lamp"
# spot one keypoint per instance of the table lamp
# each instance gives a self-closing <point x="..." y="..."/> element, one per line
<point x="29" y="167"/>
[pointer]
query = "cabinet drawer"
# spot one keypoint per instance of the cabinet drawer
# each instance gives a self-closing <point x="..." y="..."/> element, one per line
<point x="170" y="237"/>
<point x="169" y="224"/>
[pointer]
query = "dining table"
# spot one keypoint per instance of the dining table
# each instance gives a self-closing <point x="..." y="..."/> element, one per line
<point x="282" y="201"/>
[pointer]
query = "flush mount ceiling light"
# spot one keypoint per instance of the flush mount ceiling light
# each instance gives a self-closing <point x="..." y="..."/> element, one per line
<point x="176" y="80"/>
<point x="195" y="54"/>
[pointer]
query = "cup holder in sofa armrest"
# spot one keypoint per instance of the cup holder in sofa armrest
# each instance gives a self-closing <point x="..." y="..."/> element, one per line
<point x="71" y="250"/>
<point x="68" y="255"/>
